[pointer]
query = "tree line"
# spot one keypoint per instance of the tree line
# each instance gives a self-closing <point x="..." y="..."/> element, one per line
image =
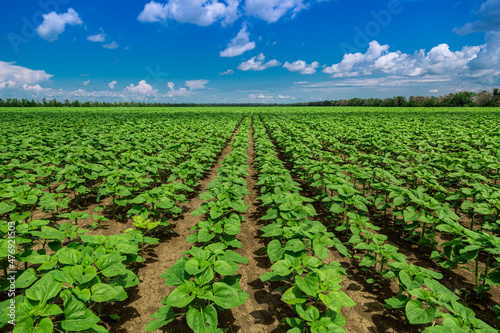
<point x="459" y="99"/>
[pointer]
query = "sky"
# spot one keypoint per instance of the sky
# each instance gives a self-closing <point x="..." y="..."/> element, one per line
<point x="232" y="51"/>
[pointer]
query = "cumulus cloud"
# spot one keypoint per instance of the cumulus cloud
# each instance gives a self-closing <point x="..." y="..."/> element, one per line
<point x="13" y="75"/>
<point x="142" y="88"/>
<point x="111" y="46"/>
<point x="99" y="37"/>
<point x="228" y="72"/>
<point x="300" y="66"/>
<point x="239" y="44"/>
<point x="54" y="24"/>
<point x="257" y="64"/>
<point x="176" y="92"/>
<point x="8" y="84"/>
<point x="486" y="65"/>
<point x="112" y="84"/>
<point x="488" y="19"/>
<point x="200" y="12"/>
<point x="378" y="60"/>
<point x="196" y="84"/>
<point x="85" y="83"/>
<point x="34" y="88"/>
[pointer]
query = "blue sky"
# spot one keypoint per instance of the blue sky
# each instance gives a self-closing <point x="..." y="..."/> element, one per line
<point x="247" y="50"/>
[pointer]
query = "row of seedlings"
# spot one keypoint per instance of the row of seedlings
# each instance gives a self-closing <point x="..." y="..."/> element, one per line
<point x="205" y="278"/>
<point x="420" y="297"/>
<point x="299" y="247"/>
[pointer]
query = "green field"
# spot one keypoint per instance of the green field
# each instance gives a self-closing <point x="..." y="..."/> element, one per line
<point x="304" y="219"/>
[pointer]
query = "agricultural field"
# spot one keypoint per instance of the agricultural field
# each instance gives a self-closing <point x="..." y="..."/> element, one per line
<point x="258" y="219"/>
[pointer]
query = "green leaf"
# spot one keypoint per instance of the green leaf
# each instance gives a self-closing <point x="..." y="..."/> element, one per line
<point x="309" y="284"/>
<point x="26" y="278"/>
<point x="282" y="267"/>
<point x="6" y="208"/>
<point x="24" y="325"/>
<point x="396" y="303"/>
<point x="293" y="296"/>
<point x="368" y="260"/>
<point x="83" y="275"/>
<point x="416" y="313"/>
<point x="336" y="208"/>
<point x="274" y="250"/>
<point x="102" y="292"/>
<point x="232" y="226"/>
<point x="239" y="206"/>
<point x="225" y="296"/>
<point x="44" y="326"/>
<point x="111" y="264"/>
<point x="44" y="289"/>
<point x="69" y="256"/>
<point x="78" y="317"/>
<point x="204" y="321"/>
<point x="205" y="277"/>
<point x="223" y="268"/>
<point x="181" y="296"/>
<point x="272" y="214"/>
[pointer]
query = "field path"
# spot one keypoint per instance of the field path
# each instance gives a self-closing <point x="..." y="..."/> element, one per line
<point x="258" y="313"/>
<point x="145" y="299"/>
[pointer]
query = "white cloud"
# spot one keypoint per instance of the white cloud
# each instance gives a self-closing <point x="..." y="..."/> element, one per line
<point x="200" y="12"/>
<point x="196" y="84"/>
<point x="378" y="60"/>
<point x="85" y="83"/>
<point x="13" y="75"/>
<point x="228" y="72"/>
<point x="355" y="64"/>
<point x="99" y="37"/>
<point x="54" y="24"/>
<point x="142" y="88"/>
<point x="239" y="44"/>
<point x="433" y="91"/>
<point x="257" y="64"/>
<point x="486" y="66"/>
<point x="301" y="82"/>
<point x="179" y="92"/>
<point x="272" y="10"/>
<point x="34" y="88"/>
<point x="381" y="82"/>
<point x="283" y="97"/>
<point x="112" y="84"/>
<point x="111" y="46"/>
<point x="8" y="84"/>
<point x="301" y="67"/>
<point x="488" y="19"/>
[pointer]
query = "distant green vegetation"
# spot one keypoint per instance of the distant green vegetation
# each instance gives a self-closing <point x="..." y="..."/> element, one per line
<point x="459" y="99"/>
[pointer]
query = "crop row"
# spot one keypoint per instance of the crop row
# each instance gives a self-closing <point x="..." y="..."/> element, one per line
<point x="299" y="247"/>
<point x="205" y="278"/>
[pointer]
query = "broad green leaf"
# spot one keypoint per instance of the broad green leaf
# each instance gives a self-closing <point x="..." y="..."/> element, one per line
<point x="417" y="313"/>
<point x="204" y="321"/>
<point x="225" y="296"/>
<point x="44" y="289"/>
<point x="102" y="292"/>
